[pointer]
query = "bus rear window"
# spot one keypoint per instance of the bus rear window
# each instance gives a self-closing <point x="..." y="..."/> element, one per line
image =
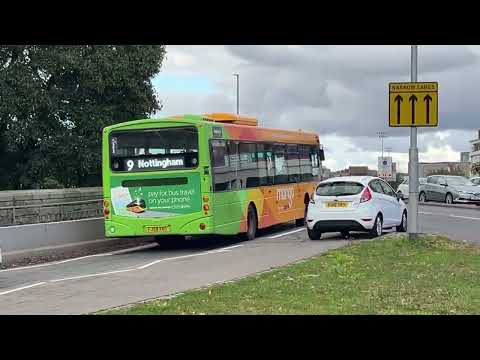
<point x="339" y="188"/>
<point x="153" y="150"/>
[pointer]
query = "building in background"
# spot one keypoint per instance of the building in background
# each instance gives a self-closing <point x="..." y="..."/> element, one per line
<point x="355" y="171"/>
<point x="465" y="156"/>
<point x="475" y="153"/>
<point x="444" y="168"/>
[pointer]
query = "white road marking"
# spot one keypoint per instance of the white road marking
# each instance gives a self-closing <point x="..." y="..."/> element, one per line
<point x="91" y="275"/>
<point x="465" y="217"/>
<point x="425" y="213"/>
<point x="81" y="258"/>
<point x="187" y="256"/>
<point x="287" y="233"/>
<point x="22" y="288"/>
<point x="225" y="249"/>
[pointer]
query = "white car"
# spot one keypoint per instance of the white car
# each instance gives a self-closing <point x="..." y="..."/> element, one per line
<point x="402" y="189"/>
<point x="475" y="180"/>
<point x="355" y="203"/>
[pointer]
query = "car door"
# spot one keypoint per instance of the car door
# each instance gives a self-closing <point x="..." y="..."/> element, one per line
<point x="394" y="207"/>
<point x="430" y="187"/>
<point x="441" y="189"/>
<point x="382" y="200"/>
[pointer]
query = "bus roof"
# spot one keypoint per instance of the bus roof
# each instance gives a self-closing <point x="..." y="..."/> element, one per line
<point x="239" y="127"/>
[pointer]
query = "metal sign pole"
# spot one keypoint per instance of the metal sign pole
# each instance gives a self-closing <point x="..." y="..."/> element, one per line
<point x="413" y="162"/>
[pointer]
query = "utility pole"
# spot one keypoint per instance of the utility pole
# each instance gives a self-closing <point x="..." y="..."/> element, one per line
<point x="238" y="92"/>
<point x="413" y="162"/>
<point x="382" y="135"/>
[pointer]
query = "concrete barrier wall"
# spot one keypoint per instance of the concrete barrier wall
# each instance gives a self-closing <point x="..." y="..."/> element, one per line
<point x="32" y="206"/>
<point x="37" y="236"/>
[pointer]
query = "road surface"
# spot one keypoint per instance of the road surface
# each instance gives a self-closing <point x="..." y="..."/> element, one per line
<point x="101" y="281"/>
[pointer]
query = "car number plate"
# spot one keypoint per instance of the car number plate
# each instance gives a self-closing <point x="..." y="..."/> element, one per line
<point x="157" y="229"/>
<point x="337" y="204"/>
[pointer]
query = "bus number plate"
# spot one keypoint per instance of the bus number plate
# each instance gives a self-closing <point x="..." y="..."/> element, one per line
<point x="157" y="229"/>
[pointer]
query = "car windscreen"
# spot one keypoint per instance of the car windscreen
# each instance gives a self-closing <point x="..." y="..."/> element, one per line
<point x="154" y="149"/>
<point x="458" y="181"/>
<point x="339" y="188"/>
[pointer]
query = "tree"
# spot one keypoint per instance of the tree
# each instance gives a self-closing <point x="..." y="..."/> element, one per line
<point x="55" y="101"/>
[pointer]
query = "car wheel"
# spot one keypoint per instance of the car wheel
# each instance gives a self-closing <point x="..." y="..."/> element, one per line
<point x="403" y="225"/>
<point x="251" y="223"/>
<point x="377" y="229"/>
<point x="449" y="199"/>
<point x="345" y="234"/>
<point x="313" y="235"/>
<point x="422" y="197"/>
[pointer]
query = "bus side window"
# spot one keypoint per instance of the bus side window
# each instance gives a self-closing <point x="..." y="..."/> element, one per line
<point x="305" y="163"/>
<point x="248" y="171"/>
<point x="220" y="165"/>
<point x="315" y="162"/>
<point x="232" y="148"/>
<point x="293" y="164"/>
<point x="265" y="164"/>
<point x="281" y="174"/>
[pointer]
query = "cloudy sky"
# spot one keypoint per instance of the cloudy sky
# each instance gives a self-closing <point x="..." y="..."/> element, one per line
<point x="340" y="92"/>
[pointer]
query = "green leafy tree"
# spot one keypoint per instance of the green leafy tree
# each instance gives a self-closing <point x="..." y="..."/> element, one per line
<point x="55" y="101"/>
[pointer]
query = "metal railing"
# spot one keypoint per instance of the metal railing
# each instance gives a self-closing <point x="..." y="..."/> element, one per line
<point x="64" y="214"/>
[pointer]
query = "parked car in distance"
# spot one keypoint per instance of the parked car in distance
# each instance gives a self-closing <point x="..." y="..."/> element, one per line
<point x="355" y="203"/>
<point x="475" y="180"/>
<point x="450" y="189"/>
<point x="402" y="189"/>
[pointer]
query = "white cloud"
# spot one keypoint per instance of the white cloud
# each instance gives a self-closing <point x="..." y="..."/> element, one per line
<point x="338" y="91"/>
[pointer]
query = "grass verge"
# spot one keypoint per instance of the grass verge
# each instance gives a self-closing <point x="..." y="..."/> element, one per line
<point x="389" y="275"/>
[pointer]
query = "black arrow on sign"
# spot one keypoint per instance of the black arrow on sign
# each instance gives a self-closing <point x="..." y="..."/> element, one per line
<point x="428" y="98"/>
<point x="412" y="99"/>
<point x="398" y="100"/>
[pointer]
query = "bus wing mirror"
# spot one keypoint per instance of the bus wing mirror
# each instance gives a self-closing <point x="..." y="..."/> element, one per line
<point x="321" y="154"/>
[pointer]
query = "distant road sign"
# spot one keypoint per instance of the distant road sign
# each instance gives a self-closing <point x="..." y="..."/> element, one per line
<point x="413" y="104"/>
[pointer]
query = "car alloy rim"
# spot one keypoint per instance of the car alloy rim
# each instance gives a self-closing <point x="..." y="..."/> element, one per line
<point x="422" y="198"/>
<point x="379" y="227"/>
<point x="404" y="221"/>
<point x="449" y="199"/>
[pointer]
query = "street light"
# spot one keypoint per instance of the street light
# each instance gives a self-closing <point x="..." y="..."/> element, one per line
<point x="238" y="92"/>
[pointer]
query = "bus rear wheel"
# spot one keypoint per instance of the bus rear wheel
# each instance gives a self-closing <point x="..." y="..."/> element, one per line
<point x="252" y="223"/>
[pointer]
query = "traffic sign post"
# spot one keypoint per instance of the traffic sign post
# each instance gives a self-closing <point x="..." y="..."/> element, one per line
<point x="413" y="105"/>
<point x="413" y="161"/>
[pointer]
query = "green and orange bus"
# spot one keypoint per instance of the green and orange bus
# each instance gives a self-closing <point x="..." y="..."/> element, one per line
<point x="205" y="174"/>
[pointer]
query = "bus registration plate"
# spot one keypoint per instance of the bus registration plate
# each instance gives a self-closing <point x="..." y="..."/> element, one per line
<point x="157" y="229"/>
<point x="337" y="204"/>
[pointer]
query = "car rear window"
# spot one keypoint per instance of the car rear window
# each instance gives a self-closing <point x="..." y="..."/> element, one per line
<point x="339" y="188"/>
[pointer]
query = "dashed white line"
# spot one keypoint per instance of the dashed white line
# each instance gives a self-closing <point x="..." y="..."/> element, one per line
<point x="425" y="213"/>
<point x="286" y="233"/>
<point x="465" y="217"/>
<point x="22" y="288"/>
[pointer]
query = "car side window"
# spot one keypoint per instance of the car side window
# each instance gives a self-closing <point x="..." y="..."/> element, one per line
<point x="376" y="187"/>
<point x="432" y="180"/>
<point x="387" y="189"/>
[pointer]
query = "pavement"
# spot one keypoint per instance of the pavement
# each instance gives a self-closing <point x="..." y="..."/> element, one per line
<point x="100" y="281"/>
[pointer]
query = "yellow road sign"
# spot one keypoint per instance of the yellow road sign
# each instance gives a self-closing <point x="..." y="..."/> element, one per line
<point x="413" y="104"/>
